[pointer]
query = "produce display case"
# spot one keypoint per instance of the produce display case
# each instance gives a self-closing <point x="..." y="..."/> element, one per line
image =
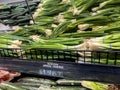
<point x="100" y="66"/>
<point x="91" y="65"/>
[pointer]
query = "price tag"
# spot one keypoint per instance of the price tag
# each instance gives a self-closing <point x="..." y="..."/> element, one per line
<point x="51" y="69"/>
<point x="53" y="65"/>
<point x="48" y="72"/>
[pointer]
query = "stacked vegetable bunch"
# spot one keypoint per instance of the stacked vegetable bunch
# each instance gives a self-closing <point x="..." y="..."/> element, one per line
<point x="74" y="24"/>
<point x="12" y="41"/>
<point x="17" y="14"/>
<point x="34" y="83"/>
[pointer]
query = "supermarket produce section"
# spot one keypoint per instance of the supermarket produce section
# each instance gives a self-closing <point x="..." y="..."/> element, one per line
<point x="67" y="39"/>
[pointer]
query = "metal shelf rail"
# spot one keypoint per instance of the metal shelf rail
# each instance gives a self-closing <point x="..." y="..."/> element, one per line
<point x="102" y="66"/>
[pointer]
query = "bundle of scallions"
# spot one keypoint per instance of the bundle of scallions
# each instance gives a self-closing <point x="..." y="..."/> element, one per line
<point x="56" y="43"/>
<point x="108" y="42"/>
<point x="68" y="23"/>
<point x="12" y="41"/>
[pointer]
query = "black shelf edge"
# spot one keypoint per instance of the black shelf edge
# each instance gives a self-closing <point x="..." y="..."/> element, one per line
<point x="57" y="69"/>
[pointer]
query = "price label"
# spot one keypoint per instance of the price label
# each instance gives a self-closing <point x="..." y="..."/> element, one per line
<point x="53" y="65"/>
<point x="48" y="72"/>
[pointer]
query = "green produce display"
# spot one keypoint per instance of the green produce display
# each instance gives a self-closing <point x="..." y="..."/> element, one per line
<point x="94" y="85"/>
<point x="10" y="86"/>
<point x="80" y="20"/>
<point x="68" y="82"/>
<point x="13" y="41"/>
<point x="32" y="83"/>
<point x="71" y="24"/>
<point x="68" y="25"/>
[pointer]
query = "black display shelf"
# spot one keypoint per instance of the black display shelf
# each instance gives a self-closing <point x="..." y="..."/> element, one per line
<point x="102" y="66"/>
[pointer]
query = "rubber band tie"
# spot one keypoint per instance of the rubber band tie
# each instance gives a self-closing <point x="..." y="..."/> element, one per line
<point x="6" y="43"/>
<point x="67" y="47"/>
<point x="75" y="47"/>
<point x="110" y="46"/>
<point x="103" y="41"/>
<point x="72" y="34"/>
